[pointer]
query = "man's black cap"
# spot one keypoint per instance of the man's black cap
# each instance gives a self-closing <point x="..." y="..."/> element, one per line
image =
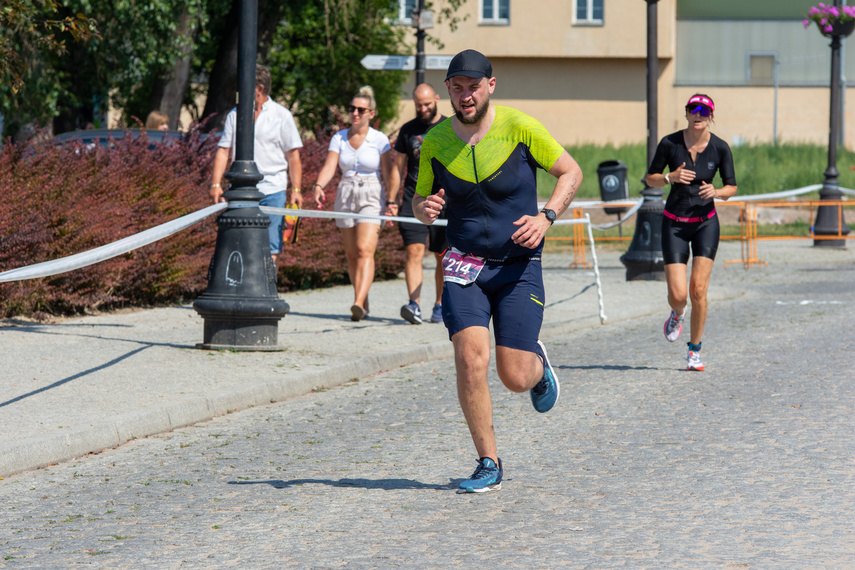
<point x="471" y="64"/>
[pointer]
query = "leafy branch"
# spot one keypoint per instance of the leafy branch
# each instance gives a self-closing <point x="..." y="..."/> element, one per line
<point x="24" y="27"/>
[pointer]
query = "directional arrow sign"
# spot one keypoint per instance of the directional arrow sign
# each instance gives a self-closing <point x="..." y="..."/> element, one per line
<point x="404" y="62"/>
<point x="438" y="61"/>
<point x="388" y="62"/>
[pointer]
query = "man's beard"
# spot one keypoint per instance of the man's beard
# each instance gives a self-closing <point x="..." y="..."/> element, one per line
<point x="428" y="119"/>
<point x="480" y="111"/>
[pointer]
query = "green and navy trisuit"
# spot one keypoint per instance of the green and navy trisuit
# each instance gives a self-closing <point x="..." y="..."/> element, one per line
<point x="689" y="219"/>
<point x="489" y="186"/>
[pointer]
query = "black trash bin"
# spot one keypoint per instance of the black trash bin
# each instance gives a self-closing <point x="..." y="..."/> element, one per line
<point x="613" y="184"/>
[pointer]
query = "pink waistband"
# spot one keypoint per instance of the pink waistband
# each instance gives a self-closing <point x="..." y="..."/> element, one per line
<point x="688" y="220"/>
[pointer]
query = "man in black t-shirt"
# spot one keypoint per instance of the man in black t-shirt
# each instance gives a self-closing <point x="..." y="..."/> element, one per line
<point x="407" y="148"/>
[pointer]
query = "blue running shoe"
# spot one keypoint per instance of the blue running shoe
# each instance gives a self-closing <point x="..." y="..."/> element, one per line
<point x="545" y="393"/>
<point x="412" y="313"/>
<point x="487" y="477"/>
<point x="436" y="316"/>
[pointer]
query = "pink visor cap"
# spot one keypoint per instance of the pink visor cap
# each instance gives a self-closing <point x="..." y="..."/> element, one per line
<point x="701" y="100"/>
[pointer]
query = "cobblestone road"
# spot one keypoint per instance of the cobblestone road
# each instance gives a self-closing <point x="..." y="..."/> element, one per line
<point x="750" y="464"/>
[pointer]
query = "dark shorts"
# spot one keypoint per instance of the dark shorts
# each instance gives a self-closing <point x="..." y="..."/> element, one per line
<point x="512" y="295"/>
<point x="678" y="236"/>
<point x="418" y="233"/>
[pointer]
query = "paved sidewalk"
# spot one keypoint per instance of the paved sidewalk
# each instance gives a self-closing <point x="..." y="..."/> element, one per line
<point x="86" y="384"/>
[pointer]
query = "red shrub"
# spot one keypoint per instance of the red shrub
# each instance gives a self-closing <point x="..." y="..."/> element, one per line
<point x="62" y="200"/>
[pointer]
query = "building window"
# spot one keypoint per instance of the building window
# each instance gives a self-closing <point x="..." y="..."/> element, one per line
<point x="762" y="68"/>
<point x="404" y="11"/>
<point x="589" y="12"/>
<point x="496" y="12"/>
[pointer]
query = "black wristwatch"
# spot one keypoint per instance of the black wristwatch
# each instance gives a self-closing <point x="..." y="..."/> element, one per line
<point x="550" y="215"/>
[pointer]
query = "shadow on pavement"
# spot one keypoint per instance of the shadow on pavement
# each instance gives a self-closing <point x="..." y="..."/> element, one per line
<point x="76" y="376"/>
<point x="385" y="484"/>
<point x="606" y="367"/>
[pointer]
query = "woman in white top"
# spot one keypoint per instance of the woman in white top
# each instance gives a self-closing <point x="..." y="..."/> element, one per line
<point x="363" y="155"/>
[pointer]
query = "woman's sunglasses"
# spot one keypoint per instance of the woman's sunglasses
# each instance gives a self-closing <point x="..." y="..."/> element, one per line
<point x="355" y="109"/>
<point x="701" y="110"/>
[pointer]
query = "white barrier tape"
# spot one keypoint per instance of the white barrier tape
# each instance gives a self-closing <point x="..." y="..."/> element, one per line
<point x="343" y="215"/>
<point x="242" y="204"/>
<point x="332" y="215"/>
<point x="588" y="204"/>
<point x="79" y="260"/>
<point x="108" y="251"/>
<point x="775" y="195"/>
<point x="631" y="212"/>
<point x="596" y="271"/>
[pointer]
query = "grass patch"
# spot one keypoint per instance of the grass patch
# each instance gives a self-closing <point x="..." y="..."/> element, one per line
<point x="760" y="168"/>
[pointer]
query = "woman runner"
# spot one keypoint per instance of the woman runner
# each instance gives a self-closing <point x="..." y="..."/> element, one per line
<point x="692" y="155"/>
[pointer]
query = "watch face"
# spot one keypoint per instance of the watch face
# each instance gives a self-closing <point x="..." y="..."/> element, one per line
<point x="550" y="214"/>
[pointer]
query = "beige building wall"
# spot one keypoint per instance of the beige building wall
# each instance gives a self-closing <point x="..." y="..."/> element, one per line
<point x="588" y="83"/>
<point x="747" y="114"/>
<point x="545" y="28"/>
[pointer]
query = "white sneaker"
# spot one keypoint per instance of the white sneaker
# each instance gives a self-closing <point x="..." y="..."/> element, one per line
<point x="673" y="326"/>
<point x="693" y="361"/>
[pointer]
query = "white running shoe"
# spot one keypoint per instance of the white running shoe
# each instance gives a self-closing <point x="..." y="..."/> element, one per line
<point x="673" y="326"/>
<point x="693" y="361"/>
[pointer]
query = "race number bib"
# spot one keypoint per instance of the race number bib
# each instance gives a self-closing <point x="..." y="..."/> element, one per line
<point x="458" y="267"/>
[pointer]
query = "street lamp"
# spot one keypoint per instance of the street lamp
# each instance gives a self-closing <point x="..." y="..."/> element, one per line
<point x="644" y="260"/>
<point x="241" y="307"/>
<point x="422" y="20"/>
<point x="829" y="219"/>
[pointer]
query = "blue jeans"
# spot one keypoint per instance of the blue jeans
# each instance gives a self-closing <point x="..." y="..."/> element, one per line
<point x="276" y="200"/>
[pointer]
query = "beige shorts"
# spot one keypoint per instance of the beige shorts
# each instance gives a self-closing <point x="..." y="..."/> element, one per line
<point x="359" y="195"/>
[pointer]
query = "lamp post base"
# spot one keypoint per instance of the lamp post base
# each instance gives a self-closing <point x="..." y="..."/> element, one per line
<point x="237" y="348"/>
<point x="242" y="334"/>
<point x="643" y="259"/>
<point x="829" y="219"/>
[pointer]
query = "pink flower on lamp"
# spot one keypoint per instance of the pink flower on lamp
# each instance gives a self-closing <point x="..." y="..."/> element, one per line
<point x="826" y="15"/>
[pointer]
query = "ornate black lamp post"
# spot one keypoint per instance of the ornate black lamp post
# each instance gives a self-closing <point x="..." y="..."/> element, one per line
<point x="643" y="259"/>
<point x="241" y="306"/>
<point x="829" y="219"/>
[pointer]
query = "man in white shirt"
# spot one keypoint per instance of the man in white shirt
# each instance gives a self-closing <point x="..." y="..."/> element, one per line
<point x="276" y="154"/>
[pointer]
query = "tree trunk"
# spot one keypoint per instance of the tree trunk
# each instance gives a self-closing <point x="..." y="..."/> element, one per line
<point x="174" y="91"/>
<point x="222" y="85"/>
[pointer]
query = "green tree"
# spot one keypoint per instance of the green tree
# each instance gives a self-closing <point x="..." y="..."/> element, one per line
<point x="314" y="48"/>
<point x="315" y="55"/>
<point x="27" y="25"/>
<point x="32" y="31"/>
<point x="137" y="44"/>
<point x="143" y="52"/>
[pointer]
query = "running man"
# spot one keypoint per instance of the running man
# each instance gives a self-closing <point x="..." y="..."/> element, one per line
<point x="481" y="165"/>
<point x="408" y="149"/>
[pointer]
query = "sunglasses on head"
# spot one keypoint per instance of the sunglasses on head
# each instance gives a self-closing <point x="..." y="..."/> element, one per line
<point x="355" y="109"/>
<point x="701" y="110"/>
